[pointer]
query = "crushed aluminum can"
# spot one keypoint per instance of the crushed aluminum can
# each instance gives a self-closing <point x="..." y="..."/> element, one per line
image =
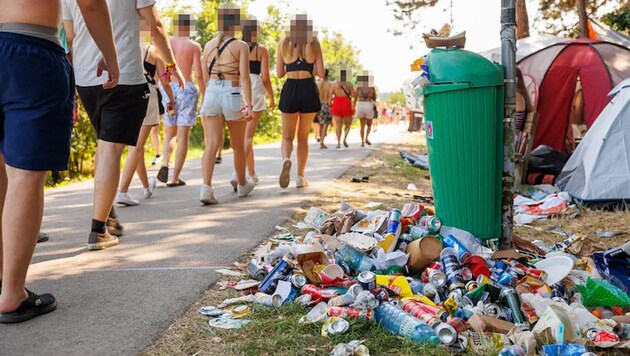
<point x="492" y="310"/>
<point x="256" y="271"/>
<point x="456" y="294"/>
<point x="467" y="274"/>
<point x="298" y="281"/>
<point x="338" y="326"/>
<point x="268" y="300"/>
<point x="367" y="280"/>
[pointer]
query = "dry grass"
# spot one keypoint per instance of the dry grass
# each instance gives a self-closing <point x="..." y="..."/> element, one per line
<point x="276" y="331"/>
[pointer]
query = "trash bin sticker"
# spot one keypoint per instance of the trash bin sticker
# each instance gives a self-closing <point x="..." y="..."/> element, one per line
<point x="430" y="129"/>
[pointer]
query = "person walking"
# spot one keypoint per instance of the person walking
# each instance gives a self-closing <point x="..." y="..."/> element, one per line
<point x="324" y="115"/>
<point x="177" y="127"/>
<point x="366" y="106"/>
<point x="153" y="65"/>
<point x="261" y="90"/>
<point x="299" y="54"/>
<point x="116" y="114"/>
<point x="342" y="108"/>
<point x="36" y="125"/>
<point x="228" y="84"/>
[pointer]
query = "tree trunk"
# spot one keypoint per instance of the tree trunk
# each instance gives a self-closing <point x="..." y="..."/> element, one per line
<point x="581" y="9"/>
<point x="522" y="20"/>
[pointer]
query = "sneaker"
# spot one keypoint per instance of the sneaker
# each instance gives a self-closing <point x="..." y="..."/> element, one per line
<point x="285" y="175"/>
<point x="234" y="181"/>
<point x="156" y="160"/>
<point x="126" y="199"/>
<point x="33" y="306"/>
<point x="162" y="175"/>
<point x="148" y="192"/>
<point x="101" y="241"/>
<point x="113" y="227"/>
<point x="254" y="179"/>
<point x="206" y="195"/>
<point x="301" y="182"/>
<point x="244" y="190"/>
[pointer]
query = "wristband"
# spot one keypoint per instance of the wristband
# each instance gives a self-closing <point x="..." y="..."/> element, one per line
<point x="171" y="65"/>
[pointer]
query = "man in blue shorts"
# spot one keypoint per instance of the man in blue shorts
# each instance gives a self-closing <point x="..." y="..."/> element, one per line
<point x="35" y="128"/>
<point x="116" y="114"/>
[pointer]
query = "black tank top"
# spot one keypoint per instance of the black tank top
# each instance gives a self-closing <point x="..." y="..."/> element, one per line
<point x="149" y="68"/>
<point x="300" y="65"/>
<point x="254" y="66"/>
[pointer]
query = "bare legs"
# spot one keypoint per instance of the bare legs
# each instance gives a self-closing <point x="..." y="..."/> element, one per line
<point x="106" y="177"/>
<point x="302" y="124"/>
<point x="183" y="132"/>
<point x="170" y="133"/>
<point x="323" y="131"/>
<point x="339" y="122"/>
<point x="213" y="136"/>
<point x="155" y="139"/>
<point x="250" y="132"/>
<point x="366" y="127"/>
<point x="135" y="161"/>
<point x="20" y="228"/>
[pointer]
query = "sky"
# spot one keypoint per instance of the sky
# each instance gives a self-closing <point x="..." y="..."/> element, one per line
<point x="365" y="23"/>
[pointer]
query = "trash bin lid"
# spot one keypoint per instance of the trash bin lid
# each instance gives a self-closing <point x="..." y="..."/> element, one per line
<point x="448" y="66"/>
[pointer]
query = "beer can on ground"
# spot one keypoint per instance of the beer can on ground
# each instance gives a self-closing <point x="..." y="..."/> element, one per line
<point x="393" y="222"/>
<point x="452" y="269"/>
<point x="318" y="293"/>
<point x="471" y="285"/>
<point x="367" y="280"/>
<point x="338" y="326"/>
<point x="433" y="276"/>
<point x="510" y="298"/>
<point x="431" y="223"/>
<point x="298" y="281"/>
<point x="467" y="274"/>
<point x="492" y="310"/>
<point x="345" y="312"/>
<point x="457" y="295"/>
<point x="425" y="288"/>
<point x="448" y="332"/>
<point x="268" y="300"/>
<point x="412" y="307"/>
<point x="417" y="232"/>
<point x="280" y="272"/>
<point x="403" y="242"/>
<point x="256" y="271"/>
<point x="380" y="294"/>
<point x="437" y="311"/>
<point x="462" y="252"/>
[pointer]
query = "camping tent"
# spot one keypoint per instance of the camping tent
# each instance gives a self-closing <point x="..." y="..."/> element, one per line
<point x="599" y="31"/>
<point x="524" y="46"/>
<point x="554" y="72"/>
<point x="599" y="170"/>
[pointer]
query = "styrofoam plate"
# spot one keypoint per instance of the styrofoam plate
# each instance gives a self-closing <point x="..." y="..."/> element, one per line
<point x="556" y="267"/>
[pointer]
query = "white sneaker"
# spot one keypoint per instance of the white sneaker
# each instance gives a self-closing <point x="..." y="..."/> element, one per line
<point x="206" y="195"/>
<point x="156" y="160"/>
<point x="234" y="181"/>
<point x="285" y="175"/>
<point x="126" y="199"/>
<point x="148" y="192"/>
<point x="254" y="179"/>
<point x="301" y="182"/>
<point x="244" y="190"/>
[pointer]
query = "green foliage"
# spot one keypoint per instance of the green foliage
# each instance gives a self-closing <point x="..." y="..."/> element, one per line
<point x="395" y="98"/>
<point x="560" y="16"/>
<point x="339" y="54"/>
<point x="619" y="20"/>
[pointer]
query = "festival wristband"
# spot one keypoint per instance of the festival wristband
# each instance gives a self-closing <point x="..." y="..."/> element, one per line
<point x="171" y="65"/>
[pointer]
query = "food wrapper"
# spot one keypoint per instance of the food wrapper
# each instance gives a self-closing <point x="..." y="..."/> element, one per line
<point x="372" y="223"/>
<point x="483" y="343"/>
<point x="359" y="242"/>
<point x="556" y="324"/>
<point x="525" y="339"/>
<point x="308" y="263"/>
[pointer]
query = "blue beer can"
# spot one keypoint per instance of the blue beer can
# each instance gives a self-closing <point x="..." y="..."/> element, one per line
<point x="393" y="222"/>
<point x="453" y="242"/>
<point x="281" y="271"/>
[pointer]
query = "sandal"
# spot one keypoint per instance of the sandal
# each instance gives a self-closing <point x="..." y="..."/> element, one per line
<point x="33" y="306"/>
<point x="162" y="175"/>
<point x="178" y="184"/>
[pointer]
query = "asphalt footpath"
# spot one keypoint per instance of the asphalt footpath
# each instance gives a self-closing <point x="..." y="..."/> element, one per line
<point x="118" y="300"/>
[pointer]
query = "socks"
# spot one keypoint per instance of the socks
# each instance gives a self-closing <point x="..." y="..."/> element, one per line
<point x="112" y="213"/>
<point x="98" y="226"/>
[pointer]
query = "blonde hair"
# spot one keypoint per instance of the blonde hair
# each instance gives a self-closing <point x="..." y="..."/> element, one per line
<point x="289" y="48"/>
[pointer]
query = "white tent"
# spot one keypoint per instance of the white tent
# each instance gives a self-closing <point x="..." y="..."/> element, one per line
<point x="524" y="47"/>
<point x="599" y="169"/>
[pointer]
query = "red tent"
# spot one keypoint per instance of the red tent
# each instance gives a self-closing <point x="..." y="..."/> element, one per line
<point x="551" y="75"/>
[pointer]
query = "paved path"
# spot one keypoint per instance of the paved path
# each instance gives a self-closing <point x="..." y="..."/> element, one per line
<point x="117" y="301"/>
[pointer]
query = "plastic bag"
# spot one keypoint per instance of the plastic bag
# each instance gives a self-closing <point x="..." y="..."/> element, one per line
<point x="599" y="293"/>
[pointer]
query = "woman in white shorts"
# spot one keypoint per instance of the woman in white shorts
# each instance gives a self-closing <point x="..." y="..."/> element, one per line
<point x="153" y="65"/>
<point x="261" y="90"/>
<point x="365" y="96"/>
<point x="228" y="83"/>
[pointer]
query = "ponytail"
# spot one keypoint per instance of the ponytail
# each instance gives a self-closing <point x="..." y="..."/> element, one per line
<point x="219" y="40"/>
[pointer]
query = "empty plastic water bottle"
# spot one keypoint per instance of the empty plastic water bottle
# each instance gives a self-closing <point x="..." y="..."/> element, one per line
<point x="404" y="324"/>
<point x="357" y="261"/>
<point x="514" y="350"/>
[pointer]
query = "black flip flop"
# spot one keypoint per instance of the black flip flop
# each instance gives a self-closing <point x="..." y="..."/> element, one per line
<point x="178" y="184"/>
<point x="33" y="306"/>
<point x="43" y="237"/>
<point x="162" y="175"/>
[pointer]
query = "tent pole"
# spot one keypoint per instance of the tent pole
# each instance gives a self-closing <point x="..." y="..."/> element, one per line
<point x="508" y="59"/>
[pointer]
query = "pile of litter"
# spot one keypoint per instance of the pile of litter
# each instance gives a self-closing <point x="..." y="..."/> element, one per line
<point x="439" y="285"/>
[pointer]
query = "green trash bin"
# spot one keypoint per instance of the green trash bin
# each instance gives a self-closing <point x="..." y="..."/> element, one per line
<point x="463" y="109"/>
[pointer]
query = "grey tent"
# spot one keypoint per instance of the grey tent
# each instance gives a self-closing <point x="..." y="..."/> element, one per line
<point x="599" y="169"/>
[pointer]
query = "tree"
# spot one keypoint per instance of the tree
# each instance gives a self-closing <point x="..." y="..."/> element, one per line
<point x="522" y="19"/>
<point x="396" y="97"/>
<point x="619" y="20"/>
<point x="568" y="18"/>
<point x="338" y="54"/>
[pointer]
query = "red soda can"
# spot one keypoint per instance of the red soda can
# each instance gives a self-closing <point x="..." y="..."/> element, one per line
<point x="425" y="308"/>
<point x="433" y="276"/>
<point x="411" y="307"/>
<point x="449" y="331"/>
<point x="318" y="293"/>
<point x="345" y="312"/>
<point x="380" y="294"/>
<point x="436" y="265"/>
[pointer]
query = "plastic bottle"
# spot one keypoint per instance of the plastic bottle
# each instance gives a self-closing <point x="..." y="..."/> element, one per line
<point x="356" y="260"/>
<point x="514" y="350"/>
<point x="405" y="325"/>
<point x="464" y="237"/>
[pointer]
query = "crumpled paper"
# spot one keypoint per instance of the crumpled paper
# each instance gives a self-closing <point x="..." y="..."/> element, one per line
<point x="336" y="225"/>
<point x="384" y="260"/>
<point x="584" y="247"/>
<point x="353" y="348"/>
